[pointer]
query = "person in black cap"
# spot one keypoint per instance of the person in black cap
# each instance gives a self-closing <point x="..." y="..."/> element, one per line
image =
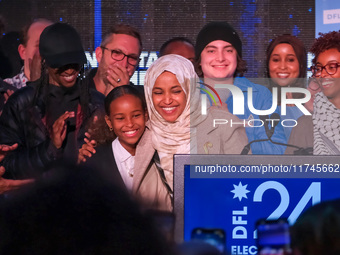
<point x="49" y="117"/>
<point x="219" y="60"/>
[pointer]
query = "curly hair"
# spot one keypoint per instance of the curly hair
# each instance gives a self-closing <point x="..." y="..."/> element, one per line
<point x="325" y="41"/>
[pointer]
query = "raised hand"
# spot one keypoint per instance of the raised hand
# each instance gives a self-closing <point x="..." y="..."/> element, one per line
<point x="6" y="184"/>
<point x="117" y="76"/>
<point x="59" y="129"/>
<point x="87" y="150"/>
<point x="35" y="66"/>
<point x="7" y="94"/>
<point x="4" y="149"/>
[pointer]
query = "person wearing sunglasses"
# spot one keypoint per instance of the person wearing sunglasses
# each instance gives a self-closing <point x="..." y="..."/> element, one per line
<point x="118" y="58"/>
<point x="321" y="131"/>
<point x="48" y="118"/>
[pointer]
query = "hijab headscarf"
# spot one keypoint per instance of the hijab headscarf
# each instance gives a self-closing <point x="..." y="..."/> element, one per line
<point x="171" y="138"/>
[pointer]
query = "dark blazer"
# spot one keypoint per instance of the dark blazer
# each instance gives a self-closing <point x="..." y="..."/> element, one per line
<point x="104" y="162"/>
<point x="4" y="86"/>
<point x="147" y="186"/>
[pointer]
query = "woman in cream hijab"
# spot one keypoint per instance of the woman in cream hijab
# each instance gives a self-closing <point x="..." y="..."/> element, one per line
<point x="177" y="124"/>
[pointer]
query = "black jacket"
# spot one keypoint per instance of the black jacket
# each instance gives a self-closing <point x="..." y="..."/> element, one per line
<point x="22" y="123"/>
<point x="3" y="88"/>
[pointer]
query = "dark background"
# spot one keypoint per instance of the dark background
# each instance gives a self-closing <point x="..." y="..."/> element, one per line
<point x="158" y="20"/>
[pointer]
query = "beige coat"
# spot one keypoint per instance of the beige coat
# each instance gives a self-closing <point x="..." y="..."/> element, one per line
<point x="221" y="139"/>
<point x="147" y="184"/>
<point x="302" y="134"/>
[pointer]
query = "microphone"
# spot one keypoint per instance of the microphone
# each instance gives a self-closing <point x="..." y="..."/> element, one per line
<point x="275" y="116"/>
<point x="299" y="151"/>
<point x="264" y="118"/>
<point x="246" y="148"/>
<point x="270" y="132"/>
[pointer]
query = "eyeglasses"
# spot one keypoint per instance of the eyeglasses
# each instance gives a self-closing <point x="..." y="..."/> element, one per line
<point x="119" y="56"/>
<point x="330" y="68"/>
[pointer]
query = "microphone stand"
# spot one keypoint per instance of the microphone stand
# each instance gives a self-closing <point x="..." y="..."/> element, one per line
<point x="269" y="133"/>
<point x="299" y="151"/>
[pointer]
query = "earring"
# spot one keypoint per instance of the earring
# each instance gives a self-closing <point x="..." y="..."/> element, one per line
<point x="111" y="129"/>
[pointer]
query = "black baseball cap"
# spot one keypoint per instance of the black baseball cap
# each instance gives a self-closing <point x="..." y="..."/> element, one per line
<point x="60" y="45"/>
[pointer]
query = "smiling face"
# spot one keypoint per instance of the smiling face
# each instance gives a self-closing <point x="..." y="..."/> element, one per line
<point x="219" y="60"/>
<point x="127" y="119"/>
<point x="283" y="65"/>
<point x="330" y="84"/>
<point x="168" y="97"/>
<point x="127" y="44"/>
<point x="65" y="76"/>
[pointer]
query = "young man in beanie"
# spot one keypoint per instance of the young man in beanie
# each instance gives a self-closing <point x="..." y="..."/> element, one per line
<point x="219" y="60"/>
<point x="47" y="118"/>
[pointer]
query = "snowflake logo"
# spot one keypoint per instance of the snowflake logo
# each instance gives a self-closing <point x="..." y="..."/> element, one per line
<point x="240" y="191"/>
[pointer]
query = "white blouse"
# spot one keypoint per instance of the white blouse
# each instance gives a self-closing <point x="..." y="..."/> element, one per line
<point x="125" y="163"/>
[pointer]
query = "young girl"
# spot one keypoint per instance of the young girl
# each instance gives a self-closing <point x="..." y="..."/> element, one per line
<point x="129" y="159"/>
<point x="176" y="121"/>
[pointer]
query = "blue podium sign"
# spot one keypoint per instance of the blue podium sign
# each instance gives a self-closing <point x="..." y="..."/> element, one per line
<point x="233" y="196"/>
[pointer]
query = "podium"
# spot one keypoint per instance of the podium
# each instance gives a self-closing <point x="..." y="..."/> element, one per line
<point x="231" y="192"/>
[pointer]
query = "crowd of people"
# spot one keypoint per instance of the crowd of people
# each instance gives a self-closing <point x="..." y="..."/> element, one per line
<point x="52" y="111"/>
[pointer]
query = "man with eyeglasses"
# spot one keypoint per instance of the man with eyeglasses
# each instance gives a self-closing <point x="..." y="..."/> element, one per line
<point x="118" y="57"/>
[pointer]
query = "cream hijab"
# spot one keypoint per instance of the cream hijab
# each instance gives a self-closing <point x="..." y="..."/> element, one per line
<point x="173" y="138"/>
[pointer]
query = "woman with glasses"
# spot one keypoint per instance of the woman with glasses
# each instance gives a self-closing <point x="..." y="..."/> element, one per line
<point x="323" y="134"/>
<point x="286" y="66"/>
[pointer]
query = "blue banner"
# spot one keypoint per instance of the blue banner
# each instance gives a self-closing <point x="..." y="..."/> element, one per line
<point x="235" y="204"/>
<point x="327" y="16"/>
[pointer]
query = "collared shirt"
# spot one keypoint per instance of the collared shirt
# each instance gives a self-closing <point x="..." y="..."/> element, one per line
<point x="125" y="163"/>
<point x="19" y="80"/>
